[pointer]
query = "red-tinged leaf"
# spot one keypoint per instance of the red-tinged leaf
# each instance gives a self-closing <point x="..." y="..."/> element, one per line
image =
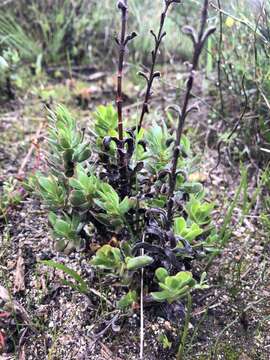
<point x="2" y="341"/>
<point x="4" y="314"/>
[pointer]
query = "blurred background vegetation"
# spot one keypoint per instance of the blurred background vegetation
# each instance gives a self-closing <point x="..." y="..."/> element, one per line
<point x="38" y="37"/>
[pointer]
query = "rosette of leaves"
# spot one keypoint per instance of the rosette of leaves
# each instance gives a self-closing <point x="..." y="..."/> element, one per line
<point x="53" y="193"/>
<point x="156" y="171"/>
<point x="118" y="161"/>
<point x="159" y="144"/>
<point x="105" y="122"/>
<point x="187" y="231"/>
<point x="172" y="287"/>
<point x="67" y="144"/>
<point x="114" y="209"/>
<point x="176" y="287"/>
<point x="66" y="230"/>
<point x="84" y="188"/>
<point x="199" y="212"/>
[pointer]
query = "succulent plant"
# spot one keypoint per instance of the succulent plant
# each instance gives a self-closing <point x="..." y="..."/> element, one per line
<point x="199" y="212"/>
<point x="173" y="287"/>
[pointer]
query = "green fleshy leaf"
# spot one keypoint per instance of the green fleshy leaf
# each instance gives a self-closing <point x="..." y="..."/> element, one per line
<point x="139" y="262"/>
<point x="161" y="274"/>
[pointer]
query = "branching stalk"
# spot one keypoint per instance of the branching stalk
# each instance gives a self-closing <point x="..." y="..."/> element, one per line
<point x="154" y="74"/>
<point x="122" y="43"/>
<point x="198" y="43"/>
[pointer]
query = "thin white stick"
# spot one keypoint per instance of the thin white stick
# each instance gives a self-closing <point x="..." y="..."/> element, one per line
<point x="141" y="312"/>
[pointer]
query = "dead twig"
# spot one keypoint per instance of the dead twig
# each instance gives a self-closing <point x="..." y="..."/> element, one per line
<point x="107" y="354"/>
<point x="30" y="151"/>
<point x="198" y="40"/>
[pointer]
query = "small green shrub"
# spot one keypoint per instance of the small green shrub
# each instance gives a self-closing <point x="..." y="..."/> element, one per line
<point x="175" y="287"/>
<point x="116" y="183"/>
<point x="127" y="189"/>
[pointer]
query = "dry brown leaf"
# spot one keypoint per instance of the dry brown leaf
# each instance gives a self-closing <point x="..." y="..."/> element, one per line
<point x="197" y="177"/>
<point x="107" y="354"/>
<point x="19" y="282"/>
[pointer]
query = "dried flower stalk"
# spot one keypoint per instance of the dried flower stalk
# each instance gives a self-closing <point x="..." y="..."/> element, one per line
<point x="152" y="73"/>
<point x="198" y="40"/>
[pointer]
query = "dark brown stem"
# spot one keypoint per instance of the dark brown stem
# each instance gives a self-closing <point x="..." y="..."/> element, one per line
<point x="198" y="41"/>
<point x="10" y="92"/>
<point x="152" y="74"/>
<point x="122" y="42"/>
<point x="122" y="5"/>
